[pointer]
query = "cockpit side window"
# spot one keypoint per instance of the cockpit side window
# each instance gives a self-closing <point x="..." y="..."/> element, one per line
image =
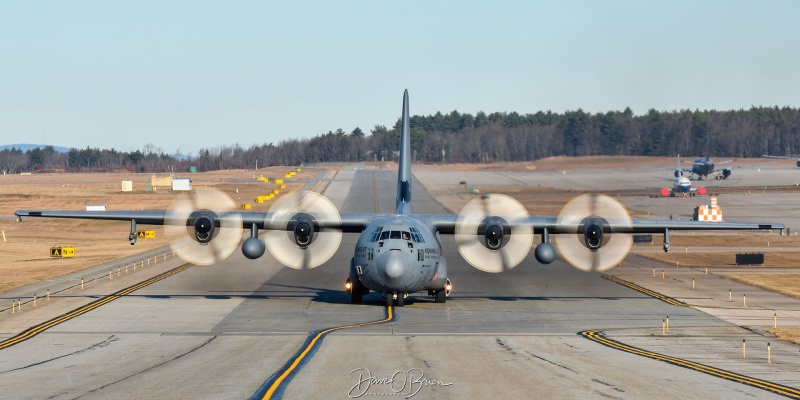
<point x="376" y="234"/>
<point x="384" y="235"/>
<point x="406" y="236"/>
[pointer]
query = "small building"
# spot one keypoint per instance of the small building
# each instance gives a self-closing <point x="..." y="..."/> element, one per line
<point x="127" y="186"/>
<point x="163" y="181"/>
<point x="95" y="207"/>
<point x="181" y="184"/>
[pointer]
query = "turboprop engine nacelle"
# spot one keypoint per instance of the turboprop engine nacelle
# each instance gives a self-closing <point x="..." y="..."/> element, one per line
<point x="495" y="232"/>
<point x="203" y="224"/>
<point x="304" y="227"/>
<point x="593" y="230"/>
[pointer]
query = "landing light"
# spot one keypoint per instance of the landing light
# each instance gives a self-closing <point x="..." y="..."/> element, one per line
<point x="348" y="285"/>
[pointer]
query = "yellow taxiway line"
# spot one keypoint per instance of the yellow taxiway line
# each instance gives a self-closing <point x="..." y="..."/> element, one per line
<point x="35" y="330"/>
<point x="597" y="335"/>
<point x="271" y="386"/>
<point x="646" y="291"/>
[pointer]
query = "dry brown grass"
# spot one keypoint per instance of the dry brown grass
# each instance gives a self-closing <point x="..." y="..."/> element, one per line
<point x="722" y="259"/>
<point x="566" y="163"/>
<point x="788" y="284"/>
<point x="786" y="334"/>
<point x="27" y="247"/>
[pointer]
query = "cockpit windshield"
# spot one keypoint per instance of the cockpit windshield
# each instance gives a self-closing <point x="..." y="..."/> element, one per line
<point x="403" y="235"/>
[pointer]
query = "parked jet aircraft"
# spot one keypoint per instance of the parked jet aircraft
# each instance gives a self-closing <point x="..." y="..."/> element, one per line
<point x="703" y="167"/>
<point x="399" y="253"/>
<point x="682" y="186"/>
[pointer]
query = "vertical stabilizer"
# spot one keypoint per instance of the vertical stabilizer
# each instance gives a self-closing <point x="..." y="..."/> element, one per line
<point x="708" y="143"/>
<point x="404" y="168"/>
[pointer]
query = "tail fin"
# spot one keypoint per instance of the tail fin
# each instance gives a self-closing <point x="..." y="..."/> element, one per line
<point x="708" y="143"/>
<point x="404" y="169"/>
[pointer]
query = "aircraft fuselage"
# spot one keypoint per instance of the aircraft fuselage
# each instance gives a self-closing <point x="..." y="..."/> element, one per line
<point x="702" y="167"/>
<point x="399" y="255"/>
<point x="681" y="185"/>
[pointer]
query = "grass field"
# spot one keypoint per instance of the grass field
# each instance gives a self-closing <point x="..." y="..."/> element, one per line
<point x="26" y="247"/>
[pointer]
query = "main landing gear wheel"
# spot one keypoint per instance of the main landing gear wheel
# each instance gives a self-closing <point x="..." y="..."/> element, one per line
<point x="355" y="296"/>
<point x="389" y="299"/>
<point x="440" y="296"/>
<point x="400" y="300"/>
<point x="357" y="292"/>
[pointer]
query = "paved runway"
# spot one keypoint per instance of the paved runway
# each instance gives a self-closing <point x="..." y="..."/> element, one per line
<point x="221" y="331"/>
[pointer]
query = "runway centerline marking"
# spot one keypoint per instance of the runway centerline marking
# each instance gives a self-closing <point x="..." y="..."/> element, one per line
<point x="598" y="336"/>
<point x="278" y="381"/>
<point x="37" y="329"/>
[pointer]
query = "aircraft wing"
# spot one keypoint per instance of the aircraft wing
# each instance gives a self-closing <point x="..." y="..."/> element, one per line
<point x="789" y="157"/>
<point x="743" y="165"/>
<point x="446" y="224"/>
<point x="349" y="223"/>
<point x="307" y="239"/>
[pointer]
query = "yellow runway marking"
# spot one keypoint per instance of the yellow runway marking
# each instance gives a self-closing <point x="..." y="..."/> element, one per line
<point x="598" y="336"/>
<point x="646" y="291"/>
<point x="35" y="330"/>
<point x="275" y="385"/>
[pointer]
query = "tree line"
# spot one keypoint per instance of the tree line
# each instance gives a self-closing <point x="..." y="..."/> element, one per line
<point x="48" y="159"/>
<point x="467" y="138"/>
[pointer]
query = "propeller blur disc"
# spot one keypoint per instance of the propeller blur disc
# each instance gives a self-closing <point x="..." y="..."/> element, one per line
<point x="325" y="241"/>
<point x="181" y="236"/>
<point x="469" y="242"/>
<point x="571" y="246"/>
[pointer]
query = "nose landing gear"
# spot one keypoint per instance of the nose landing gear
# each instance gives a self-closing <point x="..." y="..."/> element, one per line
<point x="395" y="299"/>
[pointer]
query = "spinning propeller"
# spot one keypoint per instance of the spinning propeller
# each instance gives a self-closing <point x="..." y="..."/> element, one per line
<point x="485" y="237"/>
<point x="592" y="218"/>
<point x="202" y="226"/>
<point x="308" y="240"/>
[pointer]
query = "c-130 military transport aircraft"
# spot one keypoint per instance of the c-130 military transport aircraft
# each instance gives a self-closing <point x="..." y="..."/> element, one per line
<point x="399" y="253"/>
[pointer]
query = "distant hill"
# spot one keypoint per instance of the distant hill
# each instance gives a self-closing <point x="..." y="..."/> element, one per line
<point x="25" y="147"/>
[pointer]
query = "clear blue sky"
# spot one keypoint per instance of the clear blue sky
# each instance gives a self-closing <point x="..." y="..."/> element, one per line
<point x="191" y="74"/>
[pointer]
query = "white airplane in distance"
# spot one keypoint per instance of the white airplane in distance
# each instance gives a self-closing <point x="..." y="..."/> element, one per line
<point x="682" y="186"/>
<point x="786" y="157"/>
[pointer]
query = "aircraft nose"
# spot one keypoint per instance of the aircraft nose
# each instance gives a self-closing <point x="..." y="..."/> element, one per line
<point x="391" y="264"/>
